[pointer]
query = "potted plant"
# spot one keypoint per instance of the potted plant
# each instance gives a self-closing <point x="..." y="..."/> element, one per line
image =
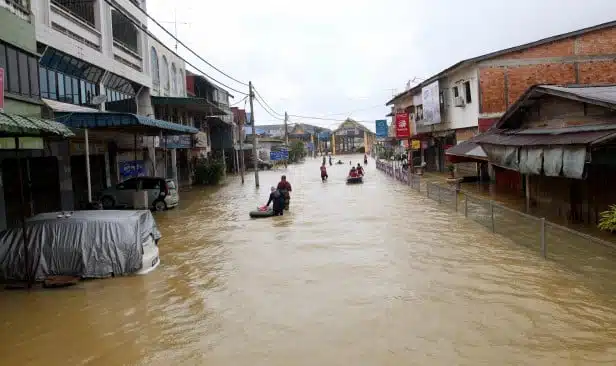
<point x="607" y="222"/>
<point x="452" y="170"/>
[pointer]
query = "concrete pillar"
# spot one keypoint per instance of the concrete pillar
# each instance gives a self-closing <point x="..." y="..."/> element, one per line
<point x="61" y="151"/>
<point x="174" y="166"/>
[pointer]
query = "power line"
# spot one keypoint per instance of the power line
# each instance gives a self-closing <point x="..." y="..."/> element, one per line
<point x="259" y="96"/>
<point x="188" y="48"/>
<point x="266" y="110"/>
<point x="240" y="101"/>
<point x="144" y="30"/>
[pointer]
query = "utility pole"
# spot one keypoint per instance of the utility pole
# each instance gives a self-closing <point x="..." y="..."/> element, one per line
<point x="286" y="130"/>
<point x="254" y="135"/>
<point x="240" y="128"/>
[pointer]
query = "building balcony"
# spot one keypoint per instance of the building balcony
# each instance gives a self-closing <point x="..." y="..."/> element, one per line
<point x="75" y="27"/>
<point x="20" y="8"/>
<point x="83" y="10"/>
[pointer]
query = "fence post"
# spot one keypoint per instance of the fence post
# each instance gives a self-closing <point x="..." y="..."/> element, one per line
<point x="492" y="214"/>
<point x="465" y="205"/>
<point x="455" y="197"/>
<point x="543" y="246"/>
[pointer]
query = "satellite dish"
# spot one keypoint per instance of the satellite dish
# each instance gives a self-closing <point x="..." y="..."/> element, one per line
<point x="99" y="99"/>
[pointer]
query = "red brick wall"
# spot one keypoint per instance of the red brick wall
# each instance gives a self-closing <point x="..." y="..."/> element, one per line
<point x="501" y="85"/>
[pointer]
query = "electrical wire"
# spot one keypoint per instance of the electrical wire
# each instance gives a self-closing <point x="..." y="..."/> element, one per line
<point x="188" y="48"/>
<point x="144" y="30"/>
<point x="258" y="95"/>
<point x="268" y="112"/>
<point x="240" y="101"/>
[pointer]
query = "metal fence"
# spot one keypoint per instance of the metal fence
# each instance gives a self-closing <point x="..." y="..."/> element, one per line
<point x="580" y="252"/>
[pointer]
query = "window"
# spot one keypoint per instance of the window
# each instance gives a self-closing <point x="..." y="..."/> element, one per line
<point x="181" y="81"/>
<point x="456" y="93"/>
<point x="83" y="10"/>
<point x="61" y="91"/>
<point x="467" y="91"/>
<point x="82" y="91"/>
<point x="75" y="91"/>
<point x="154" y="67"/>
<point x="165" y="75"/>
<point x="12" y="73"/>
<point x="124" y="31"/>
<point x="52" y="75"/>
<point x="24" y="79"/>
<point x="34" y="79"/>
<point x="3" y="64"/>
<point x="43" y="78"/>
<point x="174" y="80"/>
<point x="128" y="184"/>
<point x="151" y="184"/>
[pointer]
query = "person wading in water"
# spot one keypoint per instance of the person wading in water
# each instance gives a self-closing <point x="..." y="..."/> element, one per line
<point x="285" y="188"/>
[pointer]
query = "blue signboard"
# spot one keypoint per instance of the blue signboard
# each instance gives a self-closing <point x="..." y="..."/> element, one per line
<point x="275" y="155"/>
<point x="129" y="169"/>
<point x="381" y="128"/>
<point x="324" y="136"/>
<point x="310" y="146"/>
<point x="285" y="154"/>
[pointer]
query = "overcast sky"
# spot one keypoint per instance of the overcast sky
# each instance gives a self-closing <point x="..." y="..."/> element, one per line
<point x="337" y="58"/>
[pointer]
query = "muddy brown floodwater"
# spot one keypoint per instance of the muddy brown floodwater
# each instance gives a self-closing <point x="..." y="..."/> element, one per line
<point x="370" y="274"/>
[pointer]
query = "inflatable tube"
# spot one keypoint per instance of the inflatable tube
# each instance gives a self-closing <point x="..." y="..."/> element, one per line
<point x="355" y="180"/>
<point x="257" y="214"/>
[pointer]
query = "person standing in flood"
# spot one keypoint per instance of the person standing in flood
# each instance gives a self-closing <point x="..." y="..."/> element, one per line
<point x="324" y="175"/>
<point x="278" y="201"/>
<point x="285" y="188"/>
<point x="330" y="160"/>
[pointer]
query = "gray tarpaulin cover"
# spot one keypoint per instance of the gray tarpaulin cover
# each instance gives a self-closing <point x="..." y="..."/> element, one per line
<point x="574" y="159"/>
<point x="531" y="160"/>
<point x="552" y="161"/>
<point x="89" y="244"/>
<point x="505" y="156"/>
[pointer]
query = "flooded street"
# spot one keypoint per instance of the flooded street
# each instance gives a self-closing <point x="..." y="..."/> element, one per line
<point x="371" y="274"/>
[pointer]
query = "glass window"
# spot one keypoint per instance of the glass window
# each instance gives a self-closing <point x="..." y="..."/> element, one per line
<point x="52" y="84"/>
<point x="34" y="79"/>
<point x="24" y="79"/>
<point x="3" y="63"/>
<point x="82" y="91"/>
<point x="43" y="78"/>
<point x="12" y="73"/>
<point x="61" y="91"/>
<point x="128" y="184"/>
<point x="75" y="91"/>
<point x="68" y="87"/>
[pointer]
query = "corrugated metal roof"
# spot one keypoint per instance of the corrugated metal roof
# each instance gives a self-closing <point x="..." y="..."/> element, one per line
<point x="518" y="139"/>
<point x="606" y="94"/>
<point x="66" y="107"/>
<point x="468" y="148"/>
<point x="14" y="125"/>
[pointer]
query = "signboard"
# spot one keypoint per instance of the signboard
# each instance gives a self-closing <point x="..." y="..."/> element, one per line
<point x="381" y="128"/>
<point x="403" y="130"/>
<point x="201" y="140"/>
<point x="415" y="144"/>
<point x="310" y="146"/>
<point x="129" y="169"/>
<point x="424" y="145"/>
<point x="179" y="142"/>
<point x="430" y="99"/>
<point x="279" y="155"/>
<point x="1" y="89"/>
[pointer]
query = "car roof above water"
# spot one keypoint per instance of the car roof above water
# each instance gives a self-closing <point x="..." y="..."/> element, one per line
<point x="91" y="215"/>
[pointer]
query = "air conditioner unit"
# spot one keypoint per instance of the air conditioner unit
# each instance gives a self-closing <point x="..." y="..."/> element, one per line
<point x="459" y="102"/>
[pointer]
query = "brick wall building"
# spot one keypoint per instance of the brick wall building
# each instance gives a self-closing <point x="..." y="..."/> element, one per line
<point x="587" y="56"/>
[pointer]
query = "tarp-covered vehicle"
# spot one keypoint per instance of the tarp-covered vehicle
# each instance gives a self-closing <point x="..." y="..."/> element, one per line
<point x="86" y="244"/>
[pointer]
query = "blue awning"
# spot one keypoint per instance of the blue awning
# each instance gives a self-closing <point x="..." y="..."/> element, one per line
<point x="126" y="122"/>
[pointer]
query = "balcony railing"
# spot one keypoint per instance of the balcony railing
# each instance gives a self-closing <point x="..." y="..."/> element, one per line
<point x="82" y="9"/>
<point x="124" y="32"/>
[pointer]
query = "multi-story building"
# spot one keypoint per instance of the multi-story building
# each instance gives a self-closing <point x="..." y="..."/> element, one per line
<point x="471" y="95"/>
<point x="97" y="56"/>
<point x="32" y="153"/>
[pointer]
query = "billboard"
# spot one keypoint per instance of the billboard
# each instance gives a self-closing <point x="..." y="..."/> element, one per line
<point x="430" y="99"/>
<point x="381" y="128"/>
<point x="403" y="129"/>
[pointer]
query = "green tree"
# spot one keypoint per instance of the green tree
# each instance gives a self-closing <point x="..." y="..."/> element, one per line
<point x="296" y="151"/>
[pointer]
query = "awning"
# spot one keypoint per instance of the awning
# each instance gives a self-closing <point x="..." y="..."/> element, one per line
<point x="190" y="103"/>
<point x="124" y="122"/>
<point x="66" y="107"/>
<point x="466" y="151"/>
<point x="12" y="125"/>
<point x="579" y="135"/>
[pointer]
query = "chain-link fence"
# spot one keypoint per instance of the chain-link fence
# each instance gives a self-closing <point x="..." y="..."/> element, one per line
<point x="581" y="252"/>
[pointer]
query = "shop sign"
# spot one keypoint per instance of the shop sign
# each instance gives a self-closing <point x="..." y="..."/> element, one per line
<point x="381" y="128"/>
<point x="201" y="140"/>
<point x="403" y="130"/>
<point x="415" y="144"/>
<point x="129" y="169"/>
<point x="424" y="145"/>
<point x="178" y="142"/>
<point x="79" y="148"/>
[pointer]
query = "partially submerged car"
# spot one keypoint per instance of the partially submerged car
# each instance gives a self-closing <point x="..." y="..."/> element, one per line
<point x="162" y="193"/>
<point x="85" y="244"/>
